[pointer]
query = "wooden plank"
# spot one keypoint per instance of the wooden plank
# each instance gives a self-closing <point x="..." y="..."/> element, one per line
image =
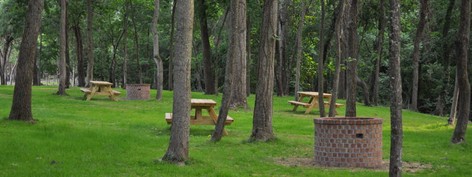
<point x="101" y="83"/>
<point x="338" y="105"/>
<point x="204" y="120"/>
<point x="299" y="103"/>
<point x="202" y="102"/>
<point x="86" y="90"/>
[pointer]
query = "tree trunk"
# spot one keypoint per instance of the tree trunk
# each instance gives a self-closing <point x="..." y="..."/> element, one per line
<point x="379" y="49"/>
<point x="179" y="137"/>
<point x="339" y="53"/>
<point x="208" y="71"/>
<point x="36" y="70"/>
<point x="125" y="45"/>
<point x="416" y="54"/>
<point x="462" y="74"/>
<point x="248" y="57"/>
<point x="237" y="53"/>
<point x="136" y="43"/>
<point x="170" y="79"/>
<point x="156" y="56"/>
<point x="455" y="99"/>
<point x="365" y="90"/>
<point x="396" y="137"/>
<point x="446" y="59"/>
<point x="21" y="106"/>
<point x="321" y="63"/>
<point x="90" y="55"/>
<point x="80" y="58"/>
<point x="283" y="30"/>
<point x="262" y="119"/>
<point x="3" y="63"/>
<point x="299" y="48"/>
<point x="68" y="64"/>
<point x="351" y="73"/>
<point x="62" y="49"/>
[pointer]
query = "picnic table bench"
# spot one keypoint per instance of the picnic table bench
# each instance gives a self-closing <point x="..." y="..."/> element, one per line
<point x="100" y="88"/>
<point x="312" y="102"/>
<point x="199" y="118"/>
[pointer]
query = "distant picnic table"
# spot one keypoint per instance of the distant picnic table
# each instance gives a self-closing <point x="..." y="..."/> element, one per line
<point x="312" y="101"/>
<point x="100" y="88"/>
<point x="198" y="118"/>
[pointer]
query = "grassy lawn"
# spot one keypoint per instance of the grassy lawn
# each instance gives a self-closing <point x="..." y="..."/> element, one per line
<point x="104" y="138"/>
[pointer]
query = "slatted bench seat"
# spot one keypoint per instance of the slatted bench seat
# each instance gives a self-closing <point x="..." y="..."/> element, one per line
<point x="299" y="103"/>
<point x="338" y="105"/>
<point x="85" y="90"/>
<point x="205" y="120"/>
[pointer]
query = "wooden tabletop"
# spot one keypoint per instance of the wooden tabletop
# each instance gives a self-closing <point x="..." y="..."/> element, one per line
<point x="101" y="83"/>
<point x="203" y="102"/>
<point x="313" y="94"/>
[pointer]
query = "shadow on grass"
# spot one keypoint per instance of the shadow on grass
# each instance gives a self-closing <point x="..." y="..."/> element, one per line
<point x="194" y="130"/>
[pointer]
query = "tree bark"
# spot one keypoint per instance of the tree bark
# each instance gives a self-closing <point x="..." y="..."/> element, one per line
<point x="248" y="57"/>
<point x="379" y="49"/>
<point x="462" y="74"/>
<point x="125" y="45"/>
<point x="170" y="79"/>
<point x="320" y="71"/>
<point x="339" y="52"/>
<point x="299" y="48"/>
<point x="62" y="49"/>
<point x="416" y="53"/>
<point x="136" y="43"/>
<point x="351" y="73"/>
<point x="237" y="53"/>
<point x="155" y="52"/>
<point x="396" y="137"/>
<point x="36" y="70"/>
<point x="21" y="106"/>
<point x="90" y="55"/>
<point x="3" y="62"/>
<point x="236" y="56"/>
<point x="262" y="119"/>
<point x="208" y="71"/>
<point x="446" y="59"/>
<point x="179" y="138"/>
<point x="281" y="75"/>
<point x="455" y="98"/>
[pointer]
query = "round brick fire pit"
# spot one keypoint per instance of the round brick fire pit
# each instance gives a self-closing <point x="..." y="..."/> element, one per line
<point x="348" y="142"/>
<point x="137" y="91"/>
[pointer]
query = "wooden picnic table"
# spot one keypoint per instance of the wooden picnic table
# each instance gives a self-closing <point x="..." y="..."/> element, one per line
<point x="312" y="101"/>
<point x="198" y="118"/>
<point x="100" y="88"/>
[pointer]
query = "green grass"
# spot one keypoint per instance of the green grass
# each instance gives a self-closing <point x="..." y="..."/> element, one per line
<point x="73" y="137"/>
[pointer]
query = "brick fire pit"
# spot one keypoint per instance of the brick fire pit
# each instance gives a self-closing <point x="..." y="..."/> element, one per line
<point x="348" y="142"/>
<point x="137" y="91"/>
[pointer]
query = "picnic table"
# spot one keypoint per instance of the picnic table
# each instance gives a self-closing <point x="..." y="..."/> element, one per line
<point x="198" y="118"/>
<point x="100" y="88"/>
<point x="312" y="101"/>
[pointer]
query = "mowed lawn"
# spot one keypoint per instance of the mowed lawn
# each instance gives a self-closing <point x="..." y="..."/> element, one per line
<point x="73" y="137"/>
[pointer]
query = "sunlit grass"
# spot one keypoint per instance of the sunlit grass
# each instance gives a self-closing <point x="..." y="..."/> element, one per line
<point x="73" y="137"/>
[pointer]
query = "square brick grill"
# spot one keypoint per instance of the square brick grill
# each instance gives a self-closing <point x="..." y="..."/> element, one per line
<point x="137" y="91"/>
<point x="348" y="142"/>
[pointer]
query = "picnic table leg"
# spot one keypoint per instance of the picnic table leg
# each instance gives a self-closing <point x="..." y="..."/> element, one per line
<point x="198" y="113"/>
<point x="313" y="103"/>
<point x="300" y="99"/>
<point x="213" y="115"/>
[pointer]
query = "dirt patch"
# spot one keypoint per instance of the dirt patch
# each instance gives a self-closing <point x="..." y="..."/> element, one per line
<point x="409" y="167"/>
